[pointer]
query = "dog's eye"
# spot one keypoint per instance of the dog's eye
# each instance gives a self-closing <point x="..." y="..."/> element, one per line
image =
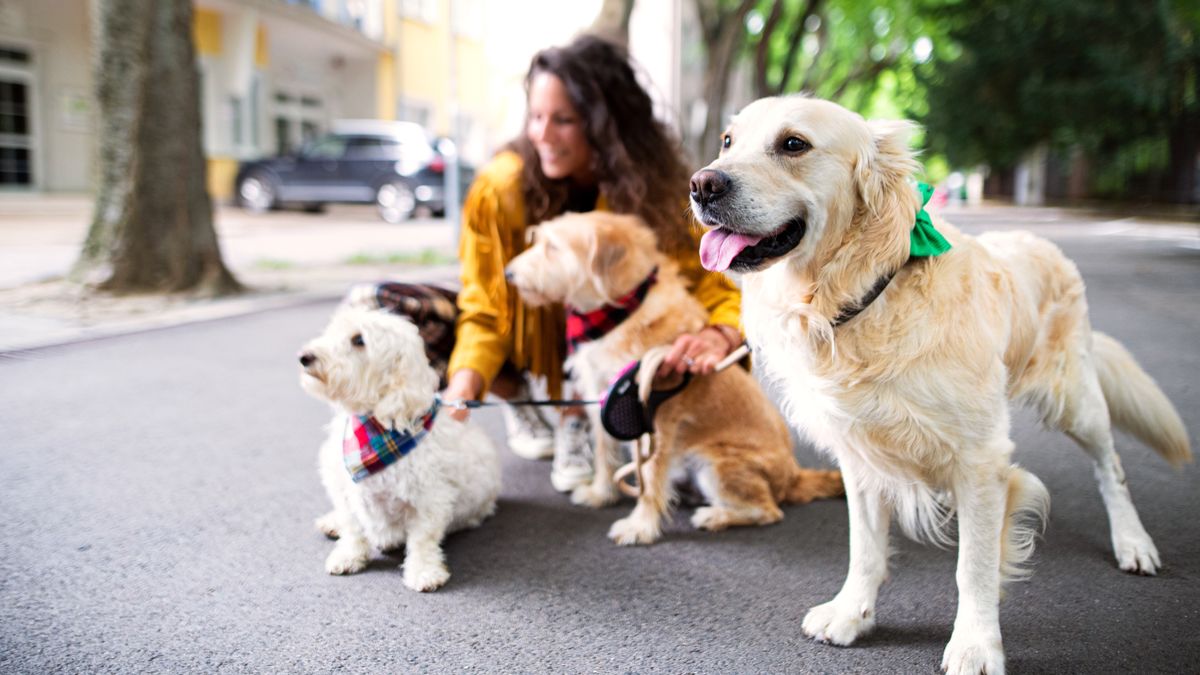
<point x="726" y="141"/>
<point x="357" y="340"/>
<point x="795" y="145"/>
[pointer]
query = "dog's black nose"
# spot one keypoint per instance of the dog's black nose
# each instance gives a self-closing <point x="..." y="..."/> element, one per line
<point x="508" y="275"/>
<point x="307" y="359"/>
<point x="709" y="185"/>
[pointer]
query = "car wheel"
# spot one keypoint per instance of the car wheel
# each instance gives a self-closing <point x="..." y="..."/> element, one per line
<point x="257" y="193"/>
<point x="396" y="201"/>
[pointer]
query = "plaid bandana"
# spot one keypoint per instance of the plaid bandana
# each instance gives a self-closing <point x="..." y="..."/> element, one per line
<point x="369" y="448"/>
<point x="593" y="325"/>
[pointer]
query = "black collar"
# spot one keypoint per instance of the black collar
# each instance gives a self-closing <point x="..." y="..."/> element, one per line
<point x="855" y="309"/>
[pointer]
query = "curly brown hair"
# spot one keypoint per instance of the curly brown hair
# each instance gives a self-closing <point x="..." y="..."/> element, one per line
<point x="637" y="160"/>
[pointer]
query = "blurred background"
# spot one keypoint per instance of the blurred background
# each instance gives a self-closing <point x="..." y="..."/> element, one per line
<point x="1031" y="101"/>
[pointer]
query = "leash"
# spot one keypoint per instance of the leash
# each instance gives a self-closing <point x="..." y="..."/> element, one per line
<point x="644" y="449"/>
<point x="556" y="402"/>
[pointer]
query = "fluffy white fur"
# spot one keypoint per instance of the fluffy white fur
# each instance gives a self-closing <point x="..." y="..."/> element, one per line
<point x="912" y="395"/>
<point x="372" y="362"/>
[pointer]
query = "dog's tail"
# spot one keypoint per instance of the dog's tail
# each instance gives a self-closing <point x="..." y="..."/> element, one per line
<point x="810" y="484"/>
<point x="1135" y="402"/>
<point x="1026" y="507"/>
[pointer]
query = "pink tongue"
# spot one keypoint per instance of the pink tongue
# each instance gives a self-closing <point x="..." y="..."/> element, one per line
<point x="719" y="247"/>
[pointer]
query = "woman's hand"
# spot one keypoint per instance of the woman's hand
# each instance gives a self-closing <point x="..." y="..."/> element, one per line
<point x="699" y="352"/>
<point x="464" y="385"/>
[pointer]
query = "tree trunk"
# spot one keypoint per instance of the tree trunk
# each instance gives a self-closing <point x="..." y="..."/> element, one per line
<point x="613" y="20"/>
<point x="724" y="35"/>
<point x="152" y="227"/>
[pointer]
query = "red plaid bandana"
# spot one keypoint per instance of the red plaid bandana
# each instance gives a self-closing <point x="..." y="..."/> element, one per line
<point x="593" y="325"/>
<point x="369" y="448"/>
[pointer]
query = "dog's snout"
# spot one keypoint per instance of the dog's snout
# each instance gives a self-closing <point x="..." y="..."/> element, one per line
<point x="307" y="359"/>
<point x="709" y="185"/>
<point x="508" y="274"/>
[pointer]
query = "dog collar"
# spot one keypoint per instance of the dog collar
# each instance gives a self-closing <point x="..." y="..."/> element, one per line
<point x="925" y="242"/>
<point x="368" y="447"/>
<point x="586" y="326"/>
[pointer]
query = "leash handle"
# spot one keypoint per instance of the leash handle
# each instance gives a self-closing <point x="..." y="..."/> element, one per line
<point x="733" y="357"/>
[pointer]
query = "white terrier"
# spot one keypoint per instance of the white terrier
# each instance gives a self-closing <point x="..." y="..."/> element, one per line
<point x="396" y="471"/>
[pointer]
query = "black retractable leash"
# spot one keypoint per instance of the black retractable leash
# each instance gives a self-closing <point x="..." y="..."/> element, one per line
<point x="626" y="409"/>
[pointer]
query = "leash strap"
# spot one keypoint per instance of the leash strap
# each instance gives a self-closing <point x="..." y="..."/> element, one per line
<point x="557" y="402"/>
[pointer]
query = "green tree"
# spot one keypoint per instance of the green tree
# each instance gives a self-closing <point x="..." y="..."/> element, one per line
<point x="1115" y="79"/>
<point x="847" y="51"/>
<point x="152" y="226"/>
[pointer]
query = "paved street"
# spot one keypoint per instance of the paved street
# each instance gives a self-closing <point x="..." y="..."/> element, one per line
<point x="158" y="489"/>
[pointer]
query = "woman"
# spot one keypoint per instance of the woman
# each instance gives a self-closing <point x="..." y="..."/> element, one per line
<point x="591" y="142"/>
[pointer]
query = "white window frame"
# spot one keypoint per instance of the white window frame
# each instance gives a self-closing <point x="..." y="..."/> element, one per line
<point x="27" y="74"/>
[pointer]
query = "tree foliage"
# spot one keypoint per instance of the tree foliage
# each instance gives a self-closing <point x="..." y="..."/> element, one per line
<point x="842" y="50"/>
<point x="1116" y="79"/>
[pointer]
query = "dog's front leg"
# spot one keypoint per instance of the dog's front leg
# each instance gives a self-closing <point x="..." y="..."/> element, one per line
<point x="602" y="491"/>
<point x="851" y="613"/>
<point x="975" y="645"/>
<point x="424" y="563"/>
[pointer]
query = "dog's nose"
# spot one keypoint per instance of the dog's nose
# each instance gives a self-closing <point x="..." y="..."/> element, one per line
<point x="709" y="185"/>
<point x="508" y="275"/>
<point x="307" y="359"/>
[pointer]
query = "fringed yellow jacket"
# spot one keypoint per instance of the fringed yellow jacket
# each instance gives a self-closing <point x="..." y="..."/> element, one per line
<point x="493" y="324"/>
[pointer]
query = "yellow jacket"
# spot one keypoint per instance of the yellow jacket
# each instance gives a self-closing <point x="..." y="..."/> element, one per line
<point x="493" y="324"/>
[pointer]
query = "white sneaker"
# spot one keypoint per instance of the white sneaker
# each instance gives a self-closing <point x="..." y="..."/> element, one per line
<point x="529" y="434"/>
<point x="572" y="454"/>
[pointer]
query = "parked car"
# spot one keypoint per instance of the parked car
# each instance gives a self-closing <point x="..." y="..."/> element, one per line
<point x="397" y="165"/>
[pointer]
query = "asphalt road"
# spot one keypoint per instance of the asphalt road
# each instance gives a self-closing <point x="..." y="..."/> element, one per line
<point x="157" y="492"/>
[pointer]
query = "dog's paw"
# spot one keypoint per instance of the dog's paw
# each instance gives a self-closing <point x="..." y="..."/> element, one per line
<point x="1137" y="554"/>
<point x="837" y="622"/>
<point x="632" y="530"/>
<point x="342" y="561"/>
<point x="586" y="495"/>
<point x="710" y="518"/>
<point x="327" y="525"/>
<point x="423" y="578"/>
<point x="973" y="654"/>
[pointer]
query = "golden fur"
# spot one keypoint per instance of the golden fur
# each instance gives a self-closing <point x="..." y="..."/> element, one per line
<point x="912" y="395"/>
<point x="723" y="423"/>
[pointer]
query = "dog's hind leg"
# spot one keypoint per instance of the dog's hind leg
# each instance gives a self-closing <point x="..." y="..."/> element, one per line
<point x="351" y="553"/>
<point x="975" y="645"/>
<point x="327" y="524"/>
<point x="1086" y="420"/>
<point x="851" y="613"/>
<point x="741" y="496"/>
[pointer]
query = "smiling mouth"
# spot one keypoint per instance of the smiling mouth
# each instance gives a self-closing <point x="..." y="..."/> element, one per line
<point x="724" y="249"/>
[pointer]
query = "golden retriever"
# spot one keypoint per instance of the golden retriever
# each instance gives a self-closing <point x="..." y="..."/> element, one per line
<point x="731" y="435"/>
<point x="813" y="207"/>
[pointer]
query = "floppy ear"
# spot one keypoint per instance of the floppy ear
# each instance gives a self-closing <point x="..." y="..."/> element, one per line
<point x="607" y="255"/>
<point x="884" y="167"/>
<point x="408" y="381"/>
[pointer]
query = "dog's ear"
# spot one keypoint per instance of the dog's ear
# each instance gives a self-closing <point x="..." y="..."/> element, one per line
<point x="884" y="166"/>
<point x="607" y="249"/>
<point x="409" y="382"/>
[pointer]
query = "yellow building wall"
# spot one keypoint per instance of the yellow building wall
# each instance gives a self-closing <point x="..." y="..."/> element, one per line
<point x="206" y="30"/>
<point x="425" y="66"/>
<point x="385" y="87"/>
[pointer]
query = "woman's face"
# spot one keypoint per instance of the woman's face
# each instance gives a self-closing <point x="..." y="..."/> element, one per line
<point x="556" y="130"/>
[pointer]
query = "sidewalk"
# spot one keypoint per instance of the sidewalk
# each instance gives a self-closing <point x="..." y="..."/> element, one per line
<point x="284" y="258"/>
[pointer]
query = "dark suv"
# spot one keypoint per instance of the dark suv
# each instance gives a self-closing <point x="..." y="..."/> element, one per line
<point x="396" y="165"/>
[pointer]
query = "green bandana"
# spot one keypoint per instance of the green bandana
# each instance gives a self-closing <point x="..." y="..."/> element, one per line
<point x="926" y="241"/>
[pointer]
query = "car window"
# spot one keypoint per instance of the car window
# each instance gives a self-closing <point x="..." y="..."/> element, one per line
<point x="329" y="147"/>
<point x="372" y="147"/>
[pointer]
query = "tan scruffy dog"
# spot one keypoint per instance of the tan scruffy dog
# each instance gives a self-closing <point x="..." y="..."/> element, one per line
<point x="722" y="426"/>
<point x="901" y="356"/>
